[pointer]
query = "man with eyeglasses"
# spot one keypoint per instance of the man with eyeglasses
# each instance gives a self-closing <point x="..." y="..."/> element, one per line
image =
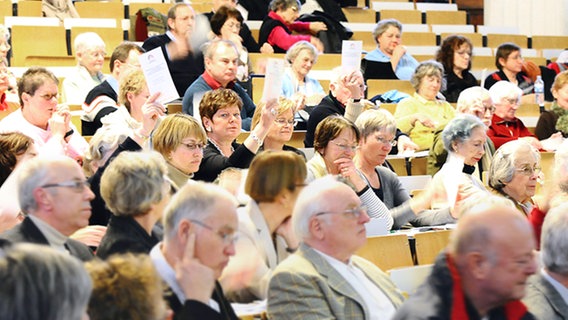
<point x="323" y="279"/>
<point x="184" y="63"/>
<point x="103" y="99"/>
<point x="199" y="235"/>
<point x="55" y="199"/>
<point x="346" y="98"/>
<point x="483" y="273"/>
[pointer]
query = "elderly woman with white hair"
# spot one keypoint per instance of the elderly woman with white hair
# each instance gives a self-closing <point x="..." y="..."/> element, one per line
<point x="296" y="83"/>
<point x="475" y="101"/>
<point x="505" y="126"/>
<point x="422" y="114"/>
<point x="90" y="53"/>
<point x="390" y="59"/>
<point x="378" y="129"/>
<point x="464" y="139"/>
<point x="134" y="187"/>
<point x="514" y="173"/>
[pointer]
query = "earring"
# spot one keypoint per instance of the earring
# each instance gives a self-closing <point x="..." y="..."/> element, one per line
<point x="208" y="129"/>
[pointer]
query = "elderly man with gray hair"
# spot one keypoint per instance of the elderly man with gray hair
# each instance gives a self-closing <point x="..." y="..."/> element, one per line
<point x="200" y="223"/>
<point x="483" y="273"/>
<point x="90" y="54"/>
<point x="324" y="279"/>
<point x="55" y="199"/>
<point x="547" y="291"/>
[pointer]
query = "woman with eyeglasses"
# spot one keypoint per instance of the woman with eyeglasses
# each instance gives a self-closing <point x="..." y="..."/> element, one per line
<point x="281" y="131"/>
<point x="226" y="25"/>
<point x="220" y="116"/>
<point x="180" y="139"/>
<point x="455" y="55"/>
<point x="378" y="129"/>
<point x="509" y="62"/>
<point x="515" y="173"/>
<point x="464" y="139"/>
<point x="265" y="235"/>
<point x="422" y="114"/>
<point x="335" y="143"/>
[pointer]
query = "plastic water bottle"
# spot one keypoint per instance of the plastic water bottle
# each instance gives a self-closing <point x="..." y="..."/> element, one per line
<point x="539" y="93"/>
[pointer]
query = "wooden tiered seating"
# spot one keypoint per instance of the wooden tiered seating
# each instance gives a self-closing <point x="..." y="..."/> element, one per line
<point x="387" y="252"/>
<point x="446" y="17"/>
<point x="33" y="40"/>
<point x="494" y="40"/>
<point x="364" y="15"/>
<point x="29" y="8"/>
<point x="430" y="244"/>
<point x="100" y="9"/>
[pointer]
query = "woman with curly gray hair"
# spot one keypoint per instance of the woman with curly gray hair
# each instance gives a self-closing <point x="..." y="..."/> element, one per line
<point x="420" y="115"/>
<point x="464" y="139"/>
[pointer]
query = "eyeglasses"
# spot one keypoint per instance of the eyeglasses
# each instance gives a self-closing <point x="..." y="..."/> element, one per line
<point x="382" y="140"/>
<point x="354" y="213"/>
<point x="283" y="122"/>
<point x="233" y="26"/>
<point x="76" y="185"/>
<point x="227" y="238"/>
<point x="529" y="171"/>
<point x="514" y="101"/>
<point x="49" y="96"/>
<point x="345" y="147"/>
<point x="194" y="146"/>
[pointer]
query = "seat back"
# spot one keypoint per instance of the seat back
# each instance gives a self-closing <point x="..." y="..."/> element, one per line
<point x="387" y="252"/>
<point x="429" y="244"/>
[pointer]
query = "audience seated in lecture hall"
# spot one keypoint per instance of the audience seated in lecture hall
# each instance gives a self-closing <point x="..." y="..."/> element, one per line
<point x="277" y="27"/>
<point x="221" y="60"/>
<point x="221" y="118"/>
<point x="265" y="231"/>
<point x="323" y="278"/>
<point x="185" y="62"/>
<point x="103" y="99"/>
<point x="422" y="114"/>
<point x="455" y="55"/>
<point x="335" y="143"/>
<point x="390" y="60"/>
<point x="90" y="52"/>
<point x="484" y="271"/>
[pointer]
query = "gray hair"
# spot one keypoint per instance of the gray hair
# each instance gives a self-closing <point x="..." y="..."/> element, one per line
<point x="309" y="203"/>
<point x="39" y="282"/>
<point x="561" y="166"/>
<point x="479" y="202"/>
<point x="284" y="4"/>
<point x="471" y="97"/>
<point x="298" y="47"/>
<point x="133" y="182"/>
<point x="504" y="90"/>
<point x="459" y="129"/>
<point x="211" y="47"/>
<point x="87" y="40"/>
<point x="373" y="120"/>
<point x="383" y="25"/>
<point x="193" y="201"/>
<point x="35" y="173"/>
<point x="554" y="240"/>
<point x="502" y="167"/>
<point x="102" y="145"/>
<point x="338" y="73"/>
<point x="425" y="69"/>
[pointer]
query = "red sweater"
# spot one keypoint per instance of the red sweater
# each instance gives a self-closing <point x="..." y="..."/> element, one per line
<point x="281" y="38"/>
<point x="501" y="131"/>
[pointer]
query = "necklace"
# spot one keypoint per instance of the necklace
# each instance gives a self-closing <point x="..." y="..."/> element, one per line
<point x="219" y="149"/>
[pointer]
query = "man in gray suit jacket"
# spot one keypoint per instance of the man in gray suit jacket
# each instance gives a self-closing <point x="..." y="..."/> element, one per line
<point x="547" y="291"/>
<point x="323" y="279"/>
<point x="56" y="200"/>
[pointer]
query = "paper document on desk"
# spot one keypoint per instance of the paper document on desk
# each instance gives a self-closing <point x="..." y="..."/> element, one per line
<point x="158" y="76"/>
<point x="249" y="309"/>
